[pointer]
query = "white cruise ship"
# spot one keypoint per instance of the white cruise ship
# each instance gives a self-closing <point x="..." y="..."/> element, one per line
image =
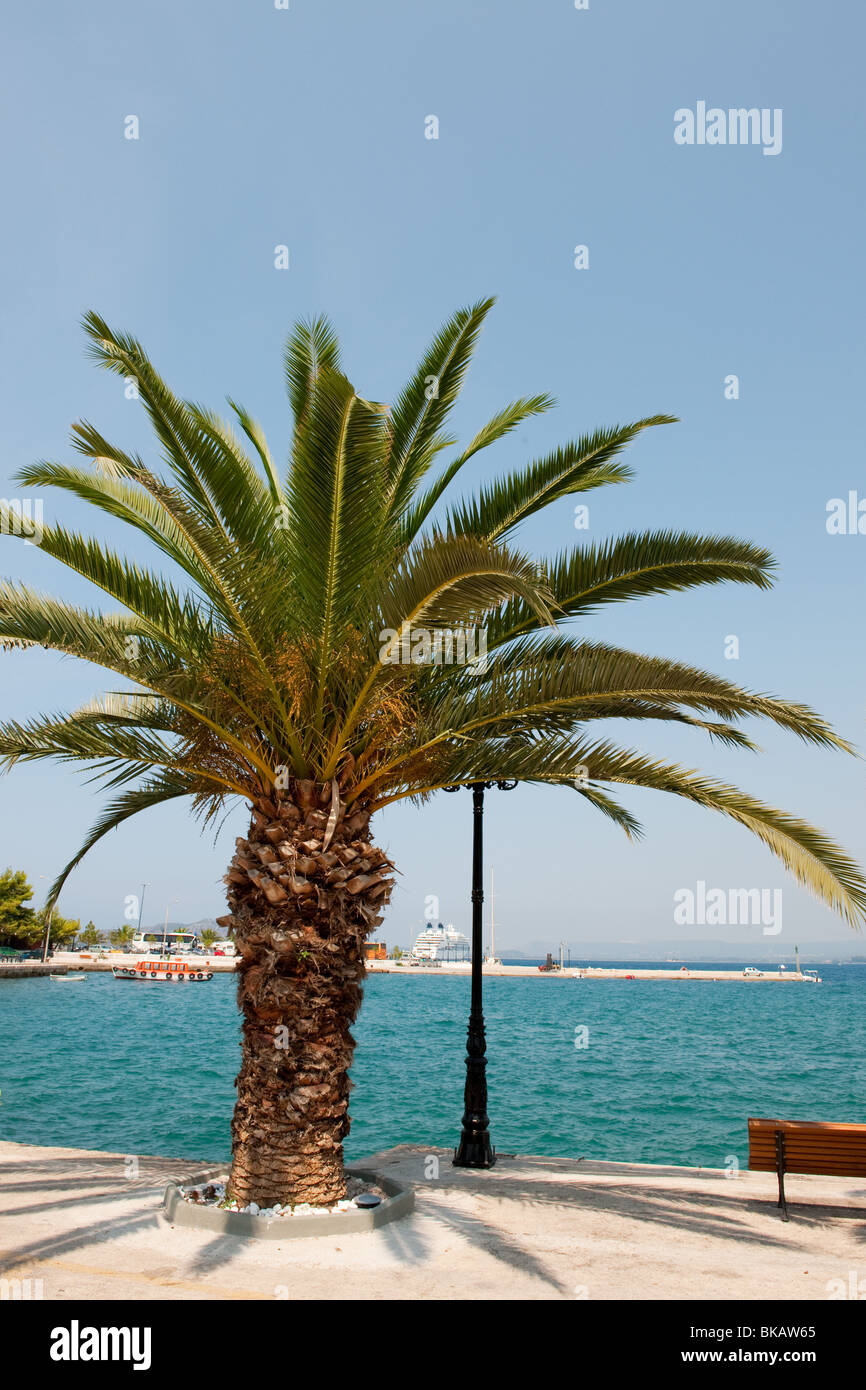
<point x="440" y="942"/>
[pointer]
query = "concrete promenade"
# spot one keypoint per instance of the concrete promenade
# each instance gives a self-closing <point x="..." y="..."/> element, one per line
<point x="89" y="1225"/>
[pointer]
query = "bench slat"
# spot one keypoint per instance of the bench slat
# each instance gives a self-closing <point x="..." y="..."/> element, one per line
<point x="828" y="1170"/>
<point x="798" y="1147"/>
<point x="818" y="1126"/>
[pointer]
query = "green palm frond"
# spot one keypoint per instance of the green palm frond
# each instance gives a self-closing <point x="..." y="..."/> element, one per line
<point x="154" y="792"/>
<point x="423" y="406"/>
<point x="575" y="468"/>
<point x="128" y="749"/>
<point x="811" y="856"/>
<point x="557" y="672"/>
<point x="454" y="579"/>
<point x="243" y="498"/>
<point x="637" y="566"/>
<point x="172" y="423"/>
<point x="157" y="512"/>
<point x="336" y="500"/>
<point x="311" y="345"/>
<point x="178" y="621"/>
<point x="500" y="425"/>
<point x="256" y="435"/>
<point x="612" y="809"/>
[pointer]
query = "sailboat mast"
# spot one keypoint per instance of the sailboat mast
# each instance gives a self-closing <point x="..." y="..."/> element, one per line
<point x="492" y="919"/>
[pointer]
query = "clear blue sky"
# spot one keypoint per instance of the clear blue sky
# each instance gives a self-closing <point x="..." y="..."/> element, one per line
<point x="305" y="127"/>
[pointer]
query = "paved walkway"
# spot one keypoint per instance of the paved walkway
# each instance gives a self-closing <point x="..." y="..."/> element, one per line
<point x="89" y="1226"/>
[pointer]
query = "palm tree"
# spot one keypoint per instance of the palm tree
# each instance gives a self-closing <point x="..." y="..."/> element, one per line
<point x="275" y="673"/>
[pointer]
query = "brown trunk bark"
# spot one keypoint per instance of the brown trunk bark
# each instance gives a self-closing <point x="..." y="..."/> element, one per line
<point x="305" y="890"/>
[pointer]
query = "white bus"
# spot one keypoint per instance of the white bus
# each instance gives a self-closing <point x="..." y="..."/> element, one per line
<point x="149" y="943"/>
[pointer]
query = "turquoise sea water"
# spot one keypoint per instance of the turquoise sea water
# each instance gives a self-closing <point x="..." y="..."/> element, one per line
<point x="671" y="1073"/>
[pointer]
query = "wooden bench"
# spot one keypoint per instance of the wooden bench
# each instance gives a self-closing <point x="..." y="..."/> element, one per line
<point x="804" y="1146"/>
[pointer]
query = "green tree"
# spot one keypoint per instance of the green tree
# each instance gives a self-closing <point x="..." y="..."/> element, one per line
<point x="277" y="672"/>
<point x="62" y="932"/>
<point x="121" y="937"/>
<point x="19" y="926"/>
<point x="90" y="937"/>
<point x="208" y="937"/>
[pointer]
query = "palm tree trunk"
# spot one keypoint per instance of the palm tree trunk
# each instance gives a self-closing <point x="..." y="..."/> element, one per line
<point x="305" y="888"/>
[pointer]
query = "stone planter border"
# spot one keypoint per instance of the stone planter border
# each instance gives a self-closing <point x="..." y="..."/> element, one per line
<point x="399" y="1202"/>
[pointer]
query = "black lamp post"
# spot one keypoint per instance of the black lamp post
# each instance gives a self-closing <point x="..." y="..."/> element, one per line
<point x="475" y="1150"/>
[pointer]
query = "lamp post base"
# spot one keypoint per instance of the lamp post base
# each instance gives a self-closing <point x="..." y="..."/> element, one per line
<point x="474" y="1152"/>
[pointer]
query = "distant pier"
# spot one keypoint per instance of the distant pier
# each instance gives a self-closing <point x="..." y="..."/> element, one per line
<point x="587" y="972"/>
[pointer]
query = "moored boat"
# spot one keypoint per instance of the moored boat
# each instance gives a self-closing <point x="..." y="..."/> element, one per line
<point x="162" y="972"/>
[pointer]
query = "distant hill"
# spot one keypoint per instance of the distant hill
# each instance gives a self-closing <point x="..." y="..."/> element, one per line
<point x="760" y="948"/>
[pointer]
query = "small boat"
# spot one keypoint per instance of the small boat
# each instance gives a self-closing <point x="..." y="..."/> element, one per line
<point x="70" y="979"/>
<point x="162" y="972"/>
